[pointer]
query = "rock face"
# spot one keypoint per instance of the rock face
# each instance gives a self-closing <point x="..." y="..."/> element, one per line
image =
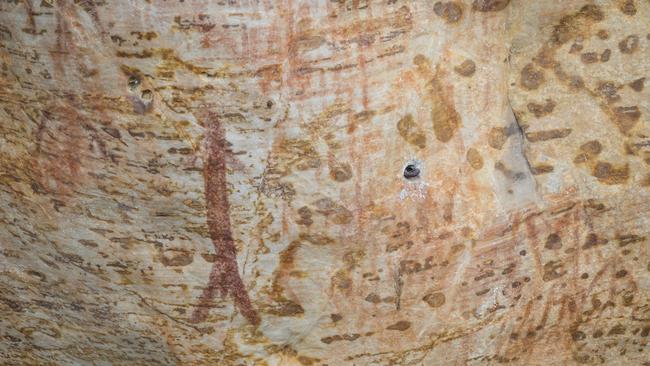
<point x="324" y="182"/>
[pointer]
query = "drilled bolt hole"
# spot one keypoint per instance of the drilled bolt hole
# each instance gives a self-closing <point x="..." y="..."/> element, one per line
<point x="411" y="171"/>
<point x="134" y="81"/>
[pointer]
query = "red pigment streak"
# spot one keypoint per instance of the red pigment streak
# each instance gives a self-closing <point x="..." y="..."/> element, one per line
<point x="224" y="277"/>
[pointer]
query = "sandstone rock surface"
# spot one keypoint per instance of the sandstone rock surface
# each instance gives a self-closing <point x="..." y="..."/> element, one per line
<point x="223" y="182"/>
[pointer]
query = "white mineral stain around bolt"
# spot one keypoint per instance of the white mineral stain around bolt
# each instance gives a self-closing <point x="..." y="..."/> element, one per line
<point x="414" y="188"/>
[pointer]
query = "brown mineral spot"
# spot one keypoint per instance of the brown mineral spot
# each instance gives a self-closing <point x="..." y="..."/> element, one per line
<point x="409" y="266"/>
<point x="336" y="317"/>
<point x="576" y="47"/>
<point x="553" y="270"/>
<point x="578" y="335"/>
<point x="638" y="84"/>
<point x="305" y="216"/>
<point x="572" y="25"/>
<point x="450" y="11"/>
<point x="411" y="132"/>
<point x="626" y="117"/>
<point x="373" y="298"/>
<point x="540" y="110"/>
<point x="593" y="240"/>
<point x="629" y="45"/>
<point x="548" y="134"/>
<point x="340" y="172"/>
<point x="467" y="68"/>
<point x="540" y="169"/>
<point x="88" y="243"/>
<point x="627" y="239"/>
<point x="286" y="308"/>
<point x="553" y="241"/>
<point x="341" y="280"/>
<point x="176" y="257"/>
<point x="589" y="57"/>
<point x="531" y="78"/>
<point x="307" y="361"/>
<point x="602" y="34"/>
<point x="592" y="148"/>
<point x="497" y="137"/>
<point x="620" y="274"/>
<point x="401" y="326"/>
<point x="597" y="334"/>
<point x="435" y="300"/>
<point x="609" y="90"/>
<point x="474" y="158"/>
<point x="482" y="292"/>
<point x="444" y="117"/>
<point x="609" y="174"/>
<point x="337" y="213"/>
<point x="616" y="330"/>
<point x="627" y="7"/>
<point x="489" y="5"/>
<point x="604" y="57"/>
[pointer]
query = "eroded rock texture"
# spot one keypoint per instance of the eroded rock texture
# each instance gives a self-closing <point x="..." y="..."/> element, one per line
<point x="222" y="182"/>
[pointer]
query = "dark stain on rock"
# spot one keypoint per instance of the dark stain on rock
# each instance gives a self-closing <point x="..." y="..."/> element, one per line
<point x="589" y="57"/>
<point x="553" y="242"/>
<point x="340" y="172"/>
<point x="450" y="11"/>
<point x="588" y="151"/>
<point x="341" y="337"/>
<point x="578" y="336"/>
<point x="553" y="270"/>
<point x="609" y="174"/>
<point x="593" y="240"/>
<point x="531" y="78"/>
<point x="474" y="158"/>
<point x="637" y="85"/>
<point x="497" y="137"/>
<point x="541" y="110"/>
<point x="224" y="276"/>
<point x="548" y="134"/>
<point x="609" y="91"/>
<point x="539" y="169"/>
<point x="627" y="239"/>
<point x="176" y="257"/>
<point x="489" y="5"/>
<point x="373" y="298"/>
<point x="627" y="7"/>
<point x="113" y="132"/>
<point x="435" y="300"/>
<point x="466" y="68"/>
<point x="626" y="118"/>
<point x="335" y="212"/>
<point x="618" y="329"/>
<point x="572" y="25"/>
<point x="411" y="132"/>
<point x="401" y="326"/>
<point x="629" y="45"/>
<point x="305" y="216"/>
<point x="286" y="308"/>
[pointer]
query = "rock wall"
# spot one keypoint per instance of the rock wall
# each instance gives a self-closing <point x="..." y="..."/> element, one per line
<point x="324" y="182"/>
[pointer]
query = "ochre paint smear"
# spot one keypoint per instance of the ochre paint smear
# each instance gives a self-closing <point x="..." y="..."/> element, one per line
<point x="224" y="277"/>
